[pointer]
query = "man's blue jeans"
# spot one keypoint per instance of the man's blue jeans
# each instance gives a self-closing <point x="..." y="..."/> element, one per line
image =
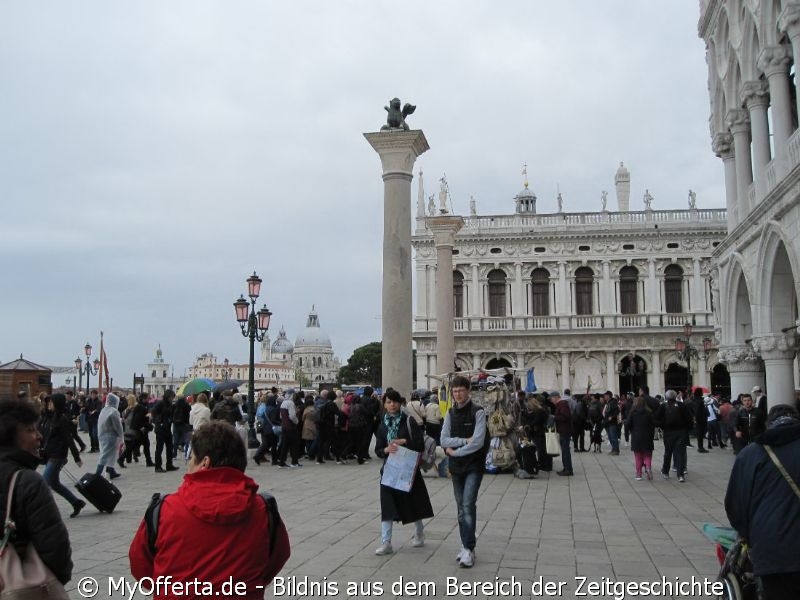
<point x="566" y="452"/>
<point x="465" y="489"/>
<point x="613" y="436"/>
<point x="51" y="472"/>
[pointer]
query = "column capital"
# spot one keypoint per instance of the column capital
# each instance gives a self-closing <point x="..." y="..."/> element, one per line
<point x="789" y="20"/>
<point x="775" y="60"/>
<point x="722" y="145"/>
<point x="444" y="229"/>
<point x="755" y="93"/>
<point x="738" y="121"/>
<point x="398" y="150"/>
<point x="776" y="346"/>
<point x="739" y="358"/>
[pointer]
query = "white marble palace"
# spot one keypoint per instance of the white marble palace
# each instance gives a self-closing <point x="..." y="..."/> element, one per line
<point x="750" y="52"/>
<point x="594" y="299"/>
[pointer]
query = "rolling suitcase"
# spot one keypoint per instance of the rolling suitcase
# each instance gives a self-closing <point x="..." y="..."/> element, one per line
<point x="102" y="494"/>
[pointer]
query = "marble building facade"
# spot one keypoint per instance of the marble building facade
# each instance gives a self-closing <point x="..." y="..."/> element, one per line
<point x="593" y="299"/>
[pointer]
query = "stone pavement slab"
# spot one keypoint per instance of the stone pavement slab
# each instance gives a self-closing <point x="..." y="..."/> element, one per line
<point x="549" y="530"/>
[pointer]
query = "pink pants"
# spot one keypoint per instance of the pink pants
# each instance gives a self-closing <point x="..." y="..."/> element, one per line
<point x="643" y="458"/>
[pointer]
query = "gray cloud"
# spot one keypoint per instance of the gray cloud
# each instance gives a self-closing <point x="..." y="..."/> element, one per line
<point x="153" y="154"/>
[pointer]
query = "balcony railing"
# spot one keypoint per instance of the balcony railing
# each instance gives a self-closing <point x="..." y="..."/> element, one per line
<point x="569" y="322"/>
<point x="621" y="220"/>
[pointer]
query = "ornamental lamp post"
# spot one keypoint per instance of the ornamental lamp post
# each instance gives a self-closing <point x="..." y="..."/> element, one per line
<point x="226" y="370"/>
<point x="88" y="367"/>
<point x="254" y="325"/>
<point x="685" y="351"/>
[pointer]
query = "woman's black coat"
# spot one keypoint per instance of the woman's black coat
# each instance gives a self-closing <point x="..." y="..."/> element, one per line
<point x="404" y="506"/>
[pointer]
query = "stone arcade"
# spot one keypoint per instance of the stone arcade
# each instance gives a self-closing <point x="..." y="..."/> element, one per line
<point x="750" y="52"/>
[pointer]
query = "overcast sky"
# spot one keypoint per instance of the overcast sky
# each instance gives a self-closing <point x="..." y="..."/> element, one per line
<point x="153" y="154"/>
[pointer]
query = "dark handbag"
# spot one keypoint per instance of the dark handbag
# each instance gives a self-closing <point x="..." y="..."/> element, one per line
<point x="27" y="579"/>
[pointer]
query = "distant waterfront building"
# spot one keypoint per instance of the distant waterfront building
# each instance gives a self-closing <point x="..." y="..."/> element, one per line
<point x="585" y="299"/>
<point x="282" y="364"/>
<point x="159" y="376"/>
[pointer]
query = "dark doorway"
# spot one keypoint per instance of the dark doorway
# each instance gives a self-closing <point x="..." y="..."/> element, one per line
<point x="721" y="381"/>
<point x="676" y="377"/>
<point x="498" y="363"/>
<point x="632" y="373"/>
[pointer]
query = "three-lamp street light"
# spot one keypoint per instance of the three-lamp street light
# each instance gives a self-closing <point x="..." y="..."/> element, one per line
<point x="254" y="326"/>
<point x="226" y="370"/>
<point x="88" y="368"/>
<point x="685" y="351"/>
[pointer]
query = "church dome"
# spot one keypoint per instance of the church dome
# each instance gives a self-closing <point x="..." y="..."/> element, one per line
<point x="282" y="345"/>
<point x="312" y="335"/>
<point x="526" y="193"/>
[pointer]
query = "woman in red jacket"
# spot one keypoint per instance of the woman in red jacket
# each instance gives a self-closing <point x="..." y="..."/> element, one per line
<point x="215" y="530"/>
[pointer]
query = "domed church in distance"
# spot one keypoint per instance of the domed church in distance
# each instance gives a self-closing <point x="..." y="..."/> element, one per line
<point x="311" y="355"/>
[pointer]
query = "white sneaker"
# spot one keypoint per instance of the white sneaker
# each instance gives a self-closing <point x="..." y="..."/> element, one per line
<point x="384" y="548"/>
<point x="468" y="559"/>
<point x="460" y="554"/>
<point x="418" y="541"/>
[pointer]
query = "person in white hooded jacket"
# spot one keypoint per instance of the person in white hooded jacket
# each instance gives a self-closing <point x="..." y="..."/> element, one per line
<point x="110" y="434"/>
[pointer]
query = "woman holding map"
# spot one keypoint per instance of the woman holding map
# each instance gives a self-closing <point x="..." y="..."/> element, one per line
<point x="396" y="430"/>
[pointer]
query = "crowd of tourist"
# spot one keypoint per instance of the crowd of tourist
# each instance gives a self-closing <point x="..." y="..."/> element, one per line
<point x="339" y="427"/>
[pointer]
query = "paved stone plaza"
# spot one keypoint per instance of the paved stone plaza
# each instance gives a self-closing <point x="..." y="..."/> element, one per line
<point x="601" y="522"/>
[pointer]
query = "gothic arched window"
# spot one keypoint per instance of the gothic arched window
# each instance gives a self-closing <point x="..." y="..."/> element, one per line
<point x="673" y="289"/>
<point x="628" y="283"/>
<point x="497" y="293"/>
<point x="540" y="290"/>
<point x="584" y="284"/>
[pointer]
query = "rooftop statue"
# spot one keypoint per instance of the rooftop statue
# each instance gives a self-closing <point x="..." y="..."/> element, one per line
<point x="397" y="118"/>
<point x="692" y="200"/>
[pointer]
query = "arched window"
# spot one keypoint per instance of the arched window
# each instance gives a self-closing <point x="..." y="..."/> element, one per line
<point x="628" y="282"/>
<point x="458" y="294"/>
<point x="540" y="289"/>
<point x="497" y="293"/>
<point x="154" y="373"/>
<point x="584" y="283"/>
<point x="673" y="292"/>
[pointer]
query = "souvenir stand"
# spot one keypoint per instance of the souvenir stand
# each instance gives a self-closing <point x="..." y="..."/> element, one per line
<point x="496" y="391"/>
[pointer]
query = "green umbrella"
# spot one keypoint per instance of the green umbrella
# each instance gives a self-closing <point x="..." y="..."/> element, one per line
<point x="195" y="386"/>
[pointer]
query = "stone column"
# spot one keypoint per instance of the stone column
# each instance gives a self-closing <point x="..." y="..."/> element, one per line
<point x="397" y="150"/>
<point x="422" y="291"/>
<point x="565" y="378"/>
<point x="651" y="299"/>
<point x="723" y="147"/>
<point x="774" y="61"/>
<point x="698" y="298"/>
<point x="476" y="306"/>
<point x="702" y="370"/>
<point x="755" y="95"/>
<point x="606" y="291"/>
<point x="739" y="123"/>
<point x="656" y="380"/>
<point x="518" y="289"/>
<point x="744" y="367"/>
<point x="562" y="295"/>
<point x="612" y="381"/>
<point x="777" y="351"/>
<point x="444" y="229"/>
